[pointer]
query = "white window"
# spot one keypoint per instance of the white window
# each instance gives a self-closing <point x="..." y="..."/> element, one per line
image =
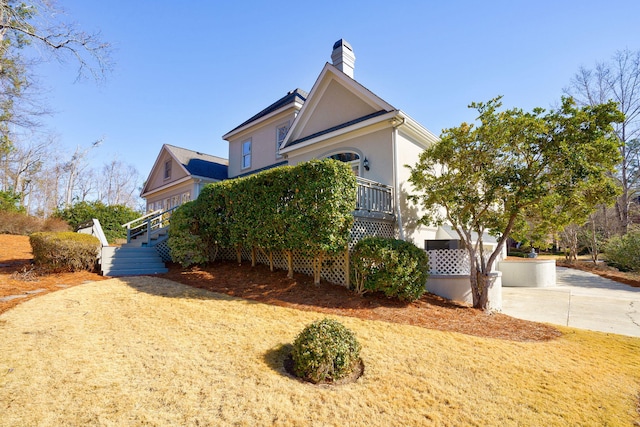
<point x="281" y="132"/>
<point x="246" y="154"/>
<point x="186" y="197"/>
<point x="167" y="169"/>
<point x="175" y="201"/>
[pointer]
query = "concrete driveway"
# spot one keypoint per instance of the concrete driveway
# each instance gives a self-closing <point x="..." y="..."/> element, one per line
<point x="580" y="300"/>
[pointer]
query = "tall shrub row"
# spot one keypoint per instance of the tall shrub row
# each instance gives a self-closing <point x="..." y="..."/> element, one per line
<point x="306" y="208"/>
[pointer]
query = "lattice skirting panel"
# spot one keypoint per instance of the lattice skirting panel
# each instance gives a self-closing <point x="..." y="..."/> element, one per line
<point x="334" y="268"/>
<point x="364" y="227"/>
<point x="163" y="251"/>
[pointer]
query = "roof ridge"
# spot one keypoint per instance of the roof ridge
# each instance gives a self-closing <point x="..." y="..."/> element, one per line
<point x="288" y="98"/>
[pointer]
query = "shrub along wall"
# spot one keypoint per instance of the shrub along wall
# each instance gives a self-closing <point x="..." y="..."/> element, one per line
<point x="395" y="267"/>
<point x="306" y="208"/>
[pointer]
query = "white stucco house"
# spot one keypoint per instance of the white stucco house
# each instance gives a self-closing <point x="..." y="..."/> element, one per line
<point x="338" y="118"/>
<point x="178" y="175"/>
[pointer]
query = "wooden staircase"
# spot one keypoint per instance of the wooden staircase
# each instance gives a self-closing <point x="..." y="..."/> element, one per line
<point x="131" y="261"/>
<point x="139" y="255"/>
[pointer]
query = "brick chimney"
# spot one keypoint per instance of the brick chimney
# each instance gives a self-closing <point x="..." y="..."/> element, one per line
<point x="343" y="57"/>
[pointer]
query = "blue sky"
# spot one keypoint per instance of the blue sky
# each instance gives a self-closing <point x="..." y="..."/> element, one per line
<point x="187" y="72"/>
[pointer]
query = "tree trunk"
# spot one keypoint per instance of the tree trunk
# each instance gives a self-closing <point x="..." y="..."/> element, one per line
<point x="480" y="285"/>
<point x="290" y="264"/>
<point x="239" y="254"/>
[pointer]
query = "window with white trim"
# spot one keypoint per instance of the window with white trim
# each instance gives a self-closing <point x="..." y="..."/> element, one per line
<point x="167" y="169"/>
<point x="281" y="132"/>
<point x="246" y="154"/>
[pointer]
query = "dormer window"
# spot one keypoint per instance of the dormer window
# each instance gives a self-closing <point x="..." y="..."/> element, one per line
<point x="167" y="169"/>
<point x="246" y="154"/>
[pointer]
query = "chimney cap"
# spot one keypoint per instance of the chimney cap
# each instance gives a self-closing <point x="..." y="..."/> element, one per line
<point x="342" y="42"/>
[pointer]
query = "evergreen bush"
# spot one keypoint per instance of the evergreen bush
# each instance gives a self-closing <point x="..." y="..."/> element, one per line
<point x="64" y="251"/>
<point x="395" y="267"/>
<point x="623" y="252"/>
<point x="111" y="217"/>
<point x="325" y="351"/>
<point x="186" y="245"/>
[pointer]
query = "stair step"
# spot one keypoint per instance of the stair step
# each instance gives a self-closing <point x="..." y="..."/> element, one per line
<point x="134" y="271"/>
<point x="130" y="261"/>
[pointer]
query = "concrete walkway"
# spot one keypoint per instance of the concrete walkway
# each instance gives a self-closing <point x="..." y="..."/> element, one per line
<point x="580" y="300"/>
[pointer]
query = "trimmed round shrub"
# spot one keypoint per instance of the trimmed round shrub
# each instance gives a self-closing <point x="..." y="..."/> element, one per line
<point x="395" y="267"/>
<point x="325" y="351"/>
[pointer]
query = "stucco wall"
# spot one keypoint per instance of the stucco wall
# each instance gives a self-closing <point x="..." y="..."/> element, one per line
<point x="263" y="145"/>
<point x="375" y="146"/>
<point x="336" y="106"/>
<point x="407" y="153"/>
<point x="157" y="178"/>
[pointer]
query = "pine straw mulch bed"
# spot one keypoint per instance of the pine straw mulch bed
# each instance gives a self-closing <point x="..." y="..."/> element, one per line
<point x="17" y="277"/>
<point x="431" y="311"/>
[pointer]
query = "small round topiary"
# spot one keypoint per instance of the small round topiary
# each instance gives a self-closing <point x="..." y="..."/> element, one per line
<point x="325" y="351"/>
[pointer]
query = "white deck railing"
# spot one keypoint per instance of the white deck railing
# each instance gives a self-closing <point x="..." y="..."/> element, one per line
<point x="148" y="223"/>
<point x="374" y="197"/>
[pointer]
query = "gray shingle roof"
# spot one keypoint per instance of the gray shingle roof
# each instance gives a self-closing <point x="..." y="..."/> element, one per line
<point x="200" y="164"/>
<point x="290" y="97"/>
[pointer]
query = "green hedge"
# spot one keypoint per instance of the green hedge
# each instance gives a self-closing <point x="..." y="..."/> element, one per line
<point x="64" y="251"/>
<point x="395" y="267"/>
<point x="307" y="208"/>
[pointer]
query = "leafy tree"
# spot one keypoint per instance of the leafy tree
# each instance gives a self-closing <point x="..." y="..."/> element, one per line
<point x="485" y="178"/>
<point x="41" y="27"/>
<point x="111" y="217"/>
<point x="10" y="202"/>
<point x="617" y="80"/>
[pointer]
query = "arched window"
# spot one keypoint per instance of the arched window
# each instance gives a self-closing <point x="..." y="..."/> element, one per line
<point x="352" y="158"/>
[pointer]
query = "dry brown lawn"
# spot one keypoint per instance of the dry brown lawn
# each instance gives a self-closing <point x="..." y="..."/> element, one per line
<point x="149" y="351"/>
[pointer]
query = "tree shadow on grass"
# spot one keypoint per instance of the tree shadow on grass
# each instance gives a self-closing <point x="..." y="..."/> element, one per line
<point x="171" y="289"/>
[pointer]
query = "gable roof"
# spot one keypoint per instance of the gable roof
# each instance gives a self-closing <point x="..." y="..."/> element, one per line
<point x="381" y="111"/>
<point x="199" y="164"/>
<point x="330" y="73"/>
<point x="296" y="95"/>
<point x="194" y="163"/>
